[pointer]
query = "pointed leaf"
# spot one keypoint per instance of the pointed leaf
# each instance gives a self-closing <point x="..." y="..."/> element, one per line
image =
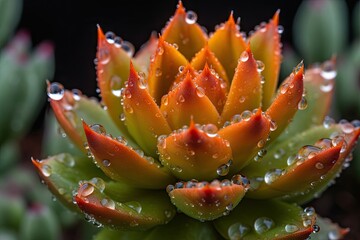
<point x="246" y="137"/>
<point x="206" y="56"/>
<point x="185" y="102"/>
<point x="245" y="90"/>
<point x="265" y="45"/>
<point x="143" y="57"/>
<point x="214" y="87"/>
<point x="227" y="43"/>
<point x="122" y="163"/>
<point x="143" y="117"/>
<point x="101" y="204"/>
<point x="185" y="32"/>
<point x="164" y="68"/>
<point x="112" y="72"/>
<point x="208" y="201"/>
<point x="73" y="107"/>
<point x="195" y="154"/>
<point x="183" y="72"/>
<point x="269" y="219"/>
<point x="62" y="173"/>
<point x="287" y="101"/>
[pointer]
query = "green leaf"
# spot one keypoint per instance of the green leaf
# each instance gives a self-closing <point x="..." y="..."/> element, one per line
<point x="268" y="219"/>
<point x="9" y="155"/>
<point x="10" y="13"/>
<point x="320" y="29"/>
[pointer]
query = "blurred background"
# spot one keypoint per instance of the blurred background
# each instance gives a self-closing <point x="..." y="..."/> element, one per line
<point x="69" y="29"/>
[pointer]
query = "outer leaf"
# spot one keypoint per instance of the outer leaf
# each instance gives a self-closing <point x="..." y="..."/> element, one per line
<point x="143" y="213"/>
<point x="164" y="68"/>
<point x="122" y="163"/>
<point x="9" y="17"/>
<point x="270" y="219"/>
<point x="143" y="57"/>
<point x="246" y="138"/>
<point x="245" y="90"/>
<point x="188" y="35"/>
<point x="265" y="45"/>
<point x="143" y="117"/>
<point x="113" y="64"/>
<point x="184" y="103"/>
<point x="227" y="43"/>
<point x="61" y="173"/>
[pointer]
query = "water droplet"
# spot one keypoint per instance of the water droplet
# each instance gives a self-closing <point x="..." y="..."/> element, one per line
<point x="316" y="228"/>
<point x="200" y="91"/>
<point x="292" y="159"/>
<point x="181" y="99"/>
<point x="244" y="56"/>
<point x="169" y="188"/>
<point x="86" y="189"/>
<point x="67" y="160"/>
<point x="55" y="91"/>
<point x="110" y="37"/>
<point x="273" y="125"/>
<point x="290" y="228"/>
<point x="223" y="170"/>
<point x="242" y="99"/>
<point x="108" y="203"/>
<point x="76" y="94"/>
<point x="118" y="42"/>
<point x="128" y="48"/>
<point x="98" y="128"/>
<point x="98" y="183"/>
<point x="279" y="153"/>
<point x="115" y="85"/>
<point x="324" y="143"/>
<point x="328" y="122"/>
<point x="237" y="230"/>
<point x="260" y="66"/>
<point x="309" y="211"/>
<point x="46" y="170"/>
<point x="129" y="109"/>
<point x="181" y="69"/>
<point x="165" y="100"/>
<point x="284" y="87"/>
<point x="158" y="72"/>
<point x="272" y="175"/>
<point x="308" y="151"/>
<point x="104" y="55"/>
<point x="280" y="29"/>
<point x="246" y="115"/>
<point x="263" y="224"/>
<point x="191" y="17"/>
<point x="302" y="104"/>
<point x="346" y="127"/>
<point x="106" y="163"/>
<point x="211" y="130"/>
<point x="160" y="51"/>
<point x="135" y="206"/>
<point x="334" y="235"/>
<point x="319" y="165"/>
<point x="175" y="46"/>
<point x="261" y="143"/>
<point x="298" y="67"/>
<point x="328" y="70"/>
<point x="327" y="86"/>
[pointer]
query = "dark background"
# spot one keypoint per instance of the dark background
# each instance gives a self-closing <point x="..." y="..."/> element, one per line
<point x="71" y="27"/>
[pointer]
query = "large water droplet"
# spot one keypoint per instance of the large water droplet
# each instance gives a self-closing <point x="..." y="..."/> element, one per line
<point x="237" y="230"/>
<point x="244" y="56"/>
<point x="191" y="17"/>
<point x="272" y="175"/>
<point x="260" y="66"/>
<point x="211" y="130"/>
<point x="108" y="203"/>
<point x="263" y="224"/>
<point x="55" y="91"/>
<point x="290" y="228"/>
<point x="302" y="104"/>
<point x="128" y="48"/>
<point x="328" y="70"/>
<point x="99" y="183"/>
<point x="135" y="206"/>
<point x="98" y="128"/>
<point x="110" y="37"/>
<point x="106" y="163"/>
<point x="86" y="189"/>
<point x="223" y="170"/>
<point x="115" y="85"/>
<point x="46" y="170"/>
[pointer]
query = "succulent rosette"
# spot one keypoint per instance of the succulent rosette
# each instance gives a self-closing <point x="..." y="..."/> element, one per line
<point x="193" y="138"/>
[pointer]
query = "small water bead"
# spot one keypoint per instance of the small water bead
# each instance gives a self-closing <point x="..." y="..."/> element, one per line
<point x="98" y="183"/>
<point x="115" y="85"/>
<point x="262" y="152"/>
<point x="308" y="151"/>
<point x="191" y="17"/>
<point x="244" y="56"/>
<point x="160" y="51"/>
<point x="136" y="206"/>
<point x="181" y="99"/>
<point x="284" y="87"/>
<point x="319" y="165"/>
<point x="128" y="108"/>
<point x="346" y="127"/>
<point x="324" y="143"/>
<point x="334" y="235"/>
<point x="103" y="56"/>
<point x="316" y="228"/>
<point x="279" y="153"/>
<point x="118" y="42"/>
<point x="108" y="203"/>
<point x="175" y="46"/>
<point x="327" y="87"/>
<point x="106" y="163"/>
<point x="223" y="170"/>
<point x="76" y="94"/>
<point x="298" y="67"/>
<point x="210" y="130"/>
<point x="302" y="105"/>
<point x="46" y="170"/>
<point x="66" y="160"/>
<point x="122" y="117"/>
<point x="328" y="70"/>
<point x="158" y="72"/>
<point x="110" y="37"/>
<point x="290" y="228"/>
<point x="261" y="143"/>
<point x="273" y="125"/>
<point x="242" y="99"/>
<point x="280" y="29"/>
<point x="263" y="224"/>
<point x="165" y="100"/>
<point x="55" y="91"/>
<point x="292" y="159"/>
<point x="181" y="69"/>
<point x="272" y="175"/>
<point x="260" y="66"/>
<point x="86" y="189"/>
<point x="169" y="188"/>
<point x="309" y="211"/>
<point x="328" y="122"/>
<point x="237" y="230"/>
<point x="200" y="91"/>
<point x="356" y="123"/>
<point x="98" y="128"/>
<point x="128" y="48"/>
<point x="246" y="115"/>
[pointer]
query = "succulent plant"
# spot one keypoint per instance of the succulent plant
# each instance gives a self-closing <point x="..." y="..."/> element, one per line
<point x="191" y="139"/>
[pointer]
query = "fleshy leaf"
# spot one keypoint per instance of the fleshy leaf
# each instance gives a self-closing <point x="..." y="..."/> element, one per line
<point x="288" y="100"/>
<point x="266" y="219"/>
<point x="208" y="201"/>
<point x="247" y="135"/>
<point x="181" y="227"/>
<point x="183" y="72"/>
<point x="73" y="107"/>
<point x="245" y="90"/>
<point x="195" y="153"/>
<point x="205" y="56"/>
<point x="185" y="32"/>
<point x="112" y="207"/>
<point x="112" y="72"/>
<point x="227" y="44"/>
<point x="214" y="87"/>
<point x="319" y="88"/>
<point x="122" y="163"/>
<point x="188" y="101"/>
<point x="143" y="57"/>
<point x="163" y="69"/>
<point x="143" y="117"/>
<point x="265" y="45"/>
<point x="62" y="173"/>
